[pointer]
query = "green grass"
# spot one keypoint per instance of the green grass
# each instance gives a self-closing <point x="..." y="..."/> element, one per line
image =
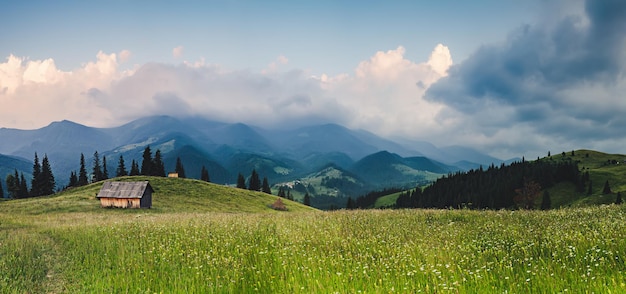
<point x="450" y="251"/>
<point x="206" y="238"/>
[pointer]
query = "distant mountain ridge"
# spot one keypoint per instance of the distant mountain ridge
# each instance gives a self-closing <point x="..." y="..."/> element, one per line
<point x="227" y="149"/>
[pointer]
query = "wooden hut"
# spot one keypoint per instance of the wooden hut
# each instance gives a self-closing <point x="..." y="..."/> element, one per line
<point x="126" y="194"/>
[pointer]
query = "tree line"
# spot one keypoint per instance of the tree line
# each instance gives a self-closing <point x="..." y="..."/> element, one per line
<point x="519" y="185"/>
<point x="42" y="183"/>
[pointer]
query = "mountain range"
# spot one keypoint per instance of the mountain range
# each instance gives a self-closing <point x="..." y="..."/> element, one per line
<point x="227" y="149"/>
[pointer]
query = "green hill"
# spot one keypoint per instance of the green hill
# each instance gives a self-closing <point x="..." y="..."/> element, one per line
<point x="602" y="167"/>
<point x="171" y="195"/>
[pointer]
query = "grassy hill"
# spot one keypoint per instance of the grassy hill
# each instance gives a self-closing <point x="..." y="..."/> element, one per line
<point x="601" y="166"/>
<point x="171" y="195"/>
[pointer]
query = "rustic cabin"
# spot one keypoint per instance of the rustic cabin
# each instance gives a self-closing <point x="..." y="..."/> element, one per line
<point x="172" y="175"/>
<point x="126" y="194"/>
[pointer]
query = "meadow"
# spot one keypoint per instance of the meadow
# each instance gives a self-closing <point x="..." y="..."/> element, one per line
<point x="577" y="250"/>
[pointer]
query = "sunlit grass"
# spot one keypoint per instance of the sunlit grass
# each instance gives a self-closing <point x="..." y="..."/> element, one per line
<point x="450" y="251"/>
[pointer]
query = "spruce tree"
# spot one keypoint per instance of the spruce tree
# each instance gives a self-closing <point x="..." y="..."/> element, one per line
<point x="618" y="199"/>
<point x="307" y="199"/>
<point x="266" y="186"/>
<point x="35" y="184"/>
<point x="82" y="174"/>
<point x="255" y="182"/>
<point x="134" y="168"/>
<point x="589" y="191"/>
<point x="204" y="174"/>
<point x="146" y="164"/>
<point x="158" y="168"/>
<point x="180" y="169"/>
<point x="1" y="191"/>
<point x="241" y="181"/>
<point x="47" y="178"/>
<point x="73" y="180"/>
<point x="350" y="203"/>
<point x="121" y="168"/>
<point x="105" y="170"/>
<point x="23" y="189"/>
<point x="281" y="192"/>
<point x="97" y="169"/>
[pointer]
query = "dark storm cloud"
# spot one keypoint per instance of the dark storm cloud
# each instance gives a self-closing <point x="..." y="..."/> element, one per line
<point x="560" y="80"/>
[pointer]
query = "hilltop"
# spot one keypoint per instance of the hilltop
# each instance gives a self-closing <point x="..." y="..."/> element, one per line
<point x="171" y="195"/>
<point x="595" y="170"/>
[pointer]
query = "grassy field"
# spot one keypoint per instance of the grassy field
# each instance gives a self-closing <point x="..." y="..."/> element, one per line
<point x="67" y="244"/>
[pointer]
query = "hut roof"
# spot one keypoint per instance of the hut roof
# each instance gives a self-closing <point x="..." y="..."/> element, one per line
<point x="124" y="189"/>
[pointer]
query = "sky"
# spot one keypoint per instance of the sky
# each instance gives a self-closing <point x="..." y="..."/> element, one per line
<point x="508" y="78"/>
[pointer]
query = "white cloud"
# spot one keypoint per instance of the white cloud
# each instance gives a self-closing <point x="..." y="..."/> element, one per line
<point x="178" y="52"/>
<point x="381" y="95"/>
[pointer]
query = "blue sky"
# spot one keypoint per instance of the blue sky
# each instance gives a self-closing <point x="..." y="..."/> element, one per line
<point x="510" y="78"/>
<point x="324" y="36"/>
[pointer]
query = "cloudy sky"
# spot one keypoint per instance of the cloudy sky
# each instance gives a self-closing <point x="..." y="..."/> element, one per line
<point x="509" y="78"/>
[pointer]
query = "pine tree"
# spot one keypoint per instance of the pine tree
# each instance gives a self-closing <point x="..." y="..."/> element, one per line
<point x="134" y="168"/>
<point x="307" y="200"/>
<point x="618" y="199"/>
<point x="73" y="180"/>
<point x="241" y="181"/>
<point x="546" y="202"/>
<point x="35" y="184"/>
<point x="180" y="169"/>
<point x="266" y="186"/>
<point x="82" y="174"/>
<point x="255" y="183"/>
<point x="157" y="165"/>
<point x="105" y="170"/>
<point x="350" y="203"/>
<point x="281" y="192"/>
<point x="204" y="174"/>
<point x="97" y="169"/>
<point x="47" y="178"/>
<point x="146" y="164"/>
<point x="121" y="168"/>
<point x="23" y="189"/>
<point x="607" y="188"/>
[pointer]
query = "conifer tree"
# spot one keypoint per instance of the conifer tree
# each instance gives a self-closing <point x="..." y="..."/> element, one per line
<point x="589" y="191"/>
<point x="618" y="199"/>
<point x="157" y="165"/>
<point x="82" y="174"/>
<point x="105" y="170"/>
<point x="73" y="179"/>
<point x="204" y="174"/>
<point x="350" y="203"/>
<point x="266" y="186"/>
<point x="47" y="178"/>
<point x="281" y="192"/>
<point x="180" y="169"/>
<point x="35" y="184"/>
<point x="134" y="168"/>
<point x="97" y="169"/>
<point x="1" y="191"/>
<point x="241" y="181"/>
<point x="146" y="164"/>
<point x="255" y="183"/>
<point x="307" y="199"/>
<point x="121" y="168"/>
<point x="23" y="189"/>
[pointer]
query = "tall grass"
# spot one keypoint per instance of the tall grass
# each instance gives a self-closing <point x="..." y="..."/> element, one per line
<point x="570" y="250"/>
